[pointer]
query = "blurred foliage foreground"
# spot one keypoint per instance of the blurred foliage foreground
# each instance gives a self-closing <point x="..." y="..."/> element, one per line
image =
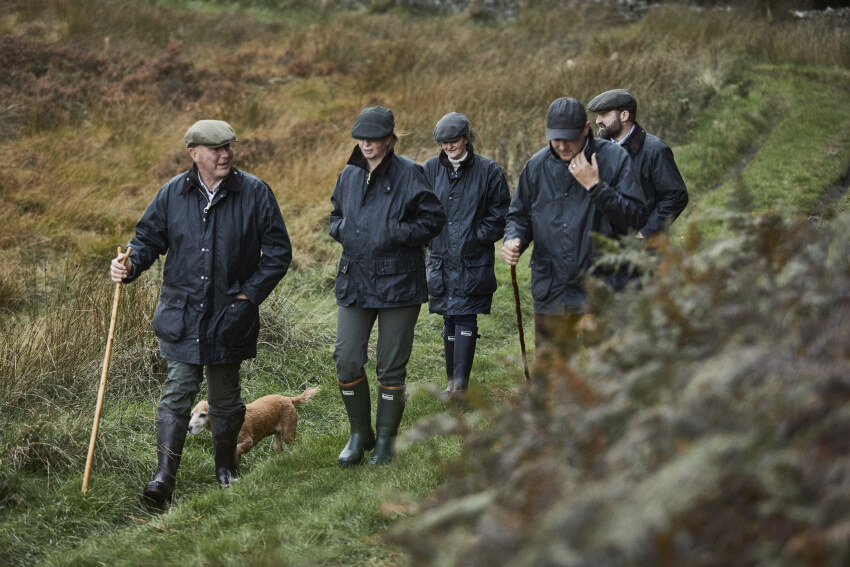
<point x="702" y="420"/>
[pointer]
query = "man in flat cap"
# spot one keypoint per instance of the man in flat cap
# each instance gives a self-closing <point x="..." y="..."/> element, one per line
<point x="460" y="266"/>
<point x="384" y="213"/>
<point x="227" y="248"/>
<point x="575" y="186"/>
<point x="652" y="159"/>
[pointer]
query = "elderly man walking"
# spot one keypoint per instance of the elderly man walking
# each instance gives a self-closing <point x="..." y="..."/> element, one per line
<point x="652" y="159"/>
<point x="227" y="249"/>
<point x="575" y="186"/>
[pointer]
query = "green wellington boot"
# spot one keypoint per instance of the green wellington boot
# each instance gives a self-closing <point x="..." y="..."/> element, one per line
<point x="465" y="339"/>
<point x="390" y="409"/>
<point x="449" y="349"/>
<point x="225" y="432"/>
<point x="170" y="435"/>
<point x="358" y="405"/>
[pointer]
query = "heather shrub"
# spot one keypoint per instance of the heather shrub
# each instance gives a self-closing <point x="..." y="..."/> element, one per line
<point x="700" y="420"/>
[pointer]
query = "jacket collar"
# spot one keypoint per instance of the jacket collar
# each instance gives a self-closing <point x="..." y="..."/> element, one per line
<point x="233" y="181"/>
<point x="359" y="160"/>
<point x="467" y="161"/>
<point x="635" y="141"/>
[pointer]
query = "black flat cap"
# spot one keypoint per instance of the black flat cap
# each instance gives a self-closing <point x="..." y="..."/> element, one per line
<point x="209" y="133"/>
<point x="565" y="119"/>
<point x="451" y="127"/>
<point x="373" y="123"/>
<point x="615" y="99"/>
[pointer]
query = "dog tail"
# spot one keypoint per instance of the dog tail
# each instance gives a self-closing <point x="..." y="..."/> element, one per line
<point x="305" y="395"/>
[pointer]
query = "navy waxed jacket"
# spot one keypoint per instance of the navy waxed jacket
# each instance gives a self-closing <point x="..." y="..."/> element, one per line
<point x="383" y="220"/>
<point x="235" y="244"/>
<point x="460" y="264"/>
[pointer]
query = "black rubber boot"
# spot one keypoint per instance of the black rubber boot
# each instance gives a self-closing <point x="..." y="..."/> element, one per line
<point x="449" y="349"/>
<point x="465" y="339"/>
<point x="225" y="432"/>
<point x="170" y="435"/>
<point x="390" y="409"/>
<point x="358" y="405"/>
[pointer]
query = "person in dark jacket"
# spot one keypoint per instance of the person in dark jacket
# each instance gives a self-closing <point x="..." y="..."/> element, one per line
<point x="652" y="159"/>
<point x="227" y="249"/>
<point x="384" y="213"/>
<point x="575" y="186"/>
<point x="460" y="264"/>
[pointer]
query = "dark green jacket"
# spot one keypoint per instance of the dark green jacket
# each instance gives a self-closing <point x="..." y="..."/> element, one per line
<point x="383" y="221"/>
<point x="460" y="264"/>
<point x="236" y="244"/>
<point x="552" y="210"/>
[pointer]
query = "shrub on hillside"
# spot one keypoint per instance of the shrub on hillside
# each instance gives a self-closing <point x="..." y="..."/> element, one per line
<point x="702" y="420"/>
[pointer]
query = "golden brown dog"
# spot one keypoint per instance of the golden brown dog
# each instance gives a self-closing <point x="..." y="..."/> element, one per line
<point x="264" y="416"/>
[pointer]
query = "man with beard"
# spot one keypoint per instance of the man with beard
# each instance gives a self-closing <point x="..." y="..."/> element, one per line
<point x="652" y="159"/>
<point x="575" y="186"/>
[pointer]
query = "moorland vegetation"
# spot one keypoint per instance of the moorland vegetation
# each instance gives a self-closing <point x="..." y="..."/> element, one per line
<point x="702" y="420"/>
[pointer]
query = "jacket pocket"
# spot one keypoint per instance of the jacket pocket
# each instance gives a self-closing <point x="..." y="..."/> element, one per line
<point x="541" y="279"/>
<point x="169" y="321"/>
<point x="479" y="275"/>
<point x="240" y="324"/>
<point x="342" y="278"/>
<point x="434" y="276"/>
<point x="395" y="280"/>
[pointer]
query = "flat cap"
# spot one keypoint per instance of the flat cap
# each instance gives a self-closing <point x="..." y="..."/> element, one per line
<point x="615" y="99"/>
<point x="451" y="127"/>
<point x="373" y="123"/>
<point x="210" y="133"/>
<point x="565" y="119"/>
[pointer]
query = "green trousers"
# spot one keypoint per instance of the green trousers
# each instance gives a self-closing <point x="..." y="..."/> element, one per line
<point x="395" y="342"/>
<point x="184" y="382"/>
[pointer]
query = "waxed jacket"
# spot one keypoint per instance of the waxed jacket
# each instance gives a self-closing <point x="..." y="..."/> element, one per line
<point x="460" y="263"/>
<point x="383" y="220"/>
<point x="551" y="209"/>
<point x="237" y="243"/>
<point x="666" y="194"/>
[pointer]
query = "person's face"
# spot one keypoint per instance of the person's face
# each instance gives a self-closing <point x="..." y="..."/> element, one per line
<point x="374" y="149"/>
<point x="609" y="123"/>
<point x="456" y="148"/>
<point x="213" y="163"/>
<point x="568" y="149"/>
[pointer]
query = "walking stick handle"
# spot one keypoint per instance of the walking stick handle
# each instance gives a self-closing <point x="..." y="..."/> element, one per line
<point x="102" y="389"/>
<point x="519" y="324"/>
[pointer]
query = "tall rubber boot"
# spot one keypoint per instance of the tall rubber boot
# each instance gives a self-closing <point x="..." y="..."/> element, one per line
<point x="465" y="339"/>
<point x="225" y="432"/>
<point x="390" y="409"/>
<point x="449" y="349"/>
<point x="358" y="405"/>
<point x="170" y="435"/>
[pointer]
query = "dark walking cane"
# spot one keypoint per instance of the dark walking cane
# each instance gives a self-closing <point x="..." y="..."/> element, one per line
<point x="101" y="391"/>
<point x="519" y="324"/>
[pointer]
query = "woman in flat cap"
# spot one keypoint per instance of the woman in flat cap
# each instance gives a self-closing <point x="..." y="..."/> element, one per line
<point x="460" y="272"/>
<point x="384" y="213"/>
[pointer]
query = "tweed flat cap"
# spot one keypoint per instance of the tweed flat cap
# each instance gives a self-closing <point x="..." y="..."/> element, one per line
<point x="451" y="127"/>
<point x="565" y="119"/>
<point x="615" y="99"/>
<point x="373" y="123"/>
<point x="210" y="133"/>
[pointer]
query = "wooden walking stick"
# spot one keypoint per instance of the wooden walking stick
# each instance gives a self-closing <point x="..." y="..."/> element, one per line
<point x="519" y="325"/>
<point x="102" y="390"/>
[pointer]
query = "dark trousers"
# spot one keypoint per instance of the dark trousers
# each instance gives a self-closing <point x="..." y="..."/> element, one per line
<point x="395" y="342"/>
<point x="184" y="383"/>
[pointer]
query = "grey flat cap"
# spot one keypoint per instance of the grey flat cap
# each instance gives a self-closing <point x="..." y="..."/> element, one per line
<point x="210" y="133"/>
<point x="565" y="119"/>
<point x="615" y="99"/>
<point x="451" y="127"/>
<point x="373" y="123"/>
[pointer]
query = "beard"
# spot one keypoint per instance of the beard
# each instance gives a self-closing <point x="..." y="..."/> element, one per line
<point x="611" y="131"/>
